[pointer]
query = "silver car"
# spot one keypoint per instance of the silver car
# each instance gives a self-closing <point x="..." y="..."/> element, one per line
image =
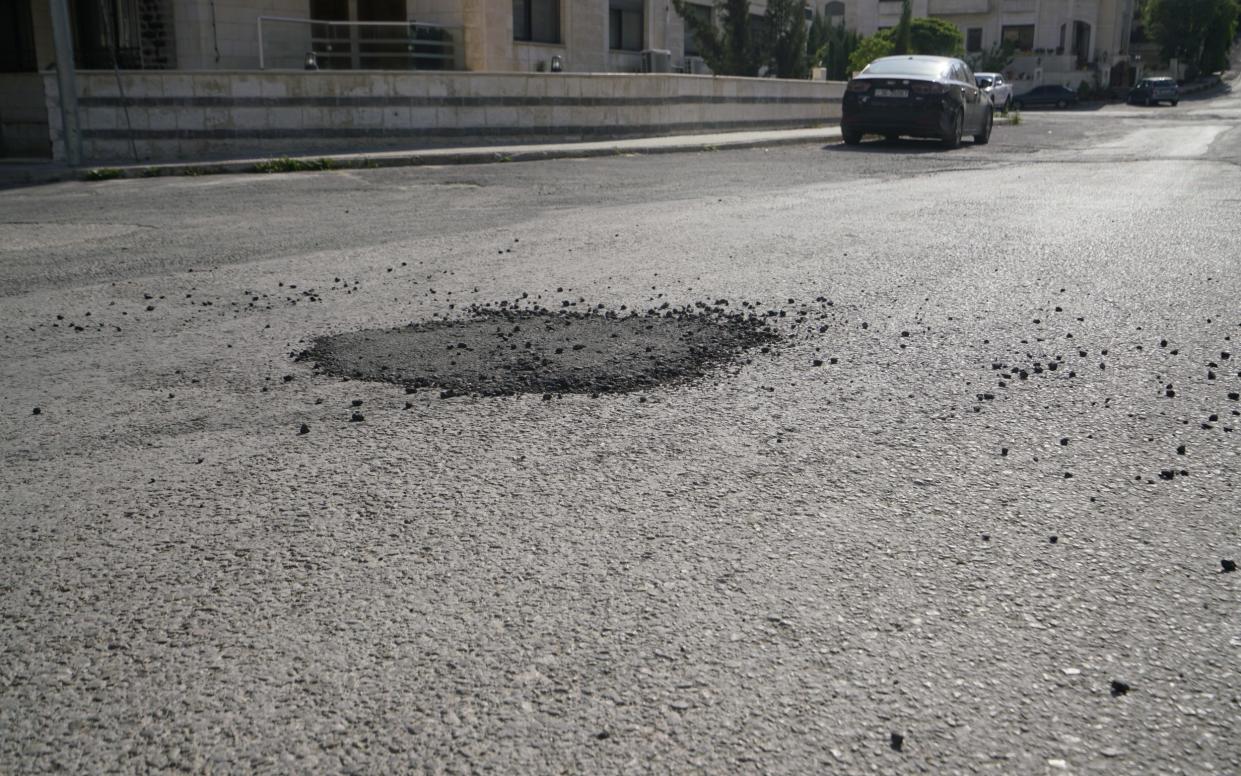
<point x="999" y="90"/>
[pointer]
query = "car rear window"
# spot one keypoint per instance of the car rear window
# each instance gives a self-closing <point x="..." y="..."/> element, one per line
<point x="916" y="68"/>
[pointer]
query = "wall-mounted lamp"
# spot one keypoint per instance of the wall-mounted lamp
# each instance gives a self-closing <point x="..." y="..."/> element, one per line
<point x="312" y="62"/>
<point x="557" y="63"/>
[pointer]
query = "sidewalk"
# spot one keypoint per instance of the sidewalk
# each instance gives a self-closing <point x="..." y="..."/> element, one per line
<point x="21" y="172"/>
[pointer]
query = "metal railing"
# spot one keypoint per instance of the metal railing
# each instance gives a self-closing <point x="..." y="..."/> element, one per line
<point x="341" y="45"/>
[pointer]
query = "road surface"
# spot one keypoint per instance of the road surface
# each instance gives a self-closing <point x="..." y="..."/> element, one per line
<point x="909" y="559"/>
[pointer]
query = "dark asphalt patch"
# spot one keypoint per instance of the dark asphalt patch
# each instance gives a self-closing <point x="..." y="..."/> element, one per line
<point x="505" y="352"/>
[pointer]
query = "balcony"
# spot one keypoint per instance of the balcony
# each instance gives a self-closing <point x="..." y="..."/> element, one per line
<point x="958" y="7"/>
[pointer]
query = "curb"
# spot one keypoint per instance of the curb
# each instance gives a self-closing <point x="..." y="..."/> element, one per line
<point x="420" y="158"/>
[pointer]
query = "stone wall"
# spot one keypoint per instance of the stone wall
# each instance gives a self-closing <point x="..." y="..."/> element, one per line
<point x="204" y="115"/>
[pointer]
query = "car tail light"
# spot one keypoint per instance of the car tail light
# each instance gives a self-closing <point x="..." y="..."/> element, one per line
<point x="859" y="86"/>
<point x="924" y="87"/>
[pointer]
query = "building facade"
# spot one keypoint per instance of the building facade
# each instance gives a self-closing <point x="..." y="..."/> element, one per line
<point x="596" y="36"/>
<point x="1056" y="41"/>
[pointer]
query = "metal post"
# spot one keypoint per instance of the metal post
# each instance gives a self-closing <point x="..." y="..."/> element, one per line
<point x="261" y="43"/>
<point x="67" y="82"/>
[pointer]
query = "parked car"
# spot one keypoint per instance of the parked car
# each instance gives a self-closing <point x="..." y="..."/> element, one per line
<point x="1046" y="96"/>
<point x="921" y="96"/>
<point x="1152" y="91"/>
<point x="999" y="90"/>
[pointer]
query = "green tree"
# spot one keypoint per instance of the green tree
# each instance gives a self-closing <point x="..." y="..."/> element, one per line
<point x="784" y="44"/>
<point x="994" y="59"/>
<point x="868" y="50"/>
<point x="936" y="37"/>
<point x="816" y="38"/>
<point x="730" y="48"/>
<point x="902" y="37"/>
<point x="1196" y="32"/>
<point x="834" y="53"/>
<point x="929" y="36"/>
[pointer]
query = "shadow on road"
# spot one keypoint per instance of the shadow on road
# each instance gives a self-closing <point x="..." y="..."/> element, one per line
<point x="900" y="147"/>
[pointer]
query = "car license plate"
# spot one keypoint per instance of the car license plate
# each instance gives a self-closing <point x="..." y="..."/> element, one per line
<point x="891" y="92"/>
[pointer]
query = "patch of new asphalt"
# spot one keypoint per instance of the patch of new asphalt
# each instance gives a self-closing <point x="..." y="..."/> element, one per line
<point x="501" y="352"/>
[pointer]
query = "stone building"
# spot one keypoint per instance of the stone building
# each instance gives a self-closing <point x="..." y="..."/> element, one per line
<point x="477" y="35"/>
<point x="1057" y="41"/>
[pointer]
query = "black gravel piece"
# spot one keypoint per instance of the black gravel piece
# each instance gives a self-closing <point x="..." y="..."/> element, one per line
<point x="37" y="411"/>
<point x="896" y="741"/>
<point x="304" y="429"/>
<point x="1227" y="565"/>
<point x="1119" y="688"/>
<point x="522" y="351"/>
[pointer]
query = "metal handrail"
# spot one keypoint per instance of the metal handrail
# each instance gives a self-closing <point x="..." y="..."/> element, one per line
<point x="345" y="24"/>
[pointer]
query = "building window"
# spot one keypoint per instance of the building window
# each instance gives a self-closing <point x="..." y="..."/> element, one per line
<point x="834" y="12"/>
<point x="973" y="39"/>
<point x="703" y="14"/>
<point x="758" y="26"/>
<point x="625" y="25"/>
<point x="104" y="30"/>
<point x="1020" y="35"/>
<point x="17" y="52"/>
<point x="536" y="21"/>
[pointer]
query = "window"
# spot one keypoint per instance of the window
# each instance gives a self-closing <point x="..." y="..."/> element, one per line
<point x="973" y="39"/>
<point x="758" y="26"/>
<point x="16" y="38"/>
<point x="906" y="68"/>
<point x="106" y="29"/>
<point x="703" y="14"/>
<point x="834" y="12"/>
<point x="1020" y="35"/>
<point x="536" y="21"/>
<point x="625" y="25"/>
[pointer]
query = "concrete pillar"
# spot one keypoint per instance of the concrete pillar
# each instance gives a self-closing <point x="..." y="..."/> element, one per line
<point x="585" y="34"/>
<point x="67" y="83"/>
<point x="489" y="35"/>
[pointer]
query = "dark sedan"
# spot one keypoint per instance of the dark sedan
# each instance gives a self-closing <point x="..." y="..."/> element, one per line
<point x="1152" y="91"/>
<point x="919" y="96"/>
<point x="1046" y="97"/>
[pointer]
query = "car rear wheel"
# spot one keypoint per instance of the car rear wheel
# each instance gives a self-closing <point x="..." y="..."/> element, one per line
<point x="851" y="136"/>
<point x="1148" y="102"/>
<point x="984" y="136"/>
<point x="952" y="137"/>
<point x="1174" y="102"/>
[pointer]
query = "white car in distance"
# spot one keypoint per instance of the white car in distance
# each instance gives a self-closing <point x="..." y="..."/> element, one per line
<point x="999" y="90"/>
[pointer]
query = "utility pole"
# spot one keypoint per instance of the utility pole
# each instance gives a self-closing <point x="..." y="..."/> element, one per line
<point x="67" y="82"/>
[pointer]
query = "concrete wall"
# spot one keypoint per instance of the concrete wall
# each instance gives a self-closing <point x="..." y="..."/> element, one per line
<point x="241" y="114"/>
<point x="23" y="116"/>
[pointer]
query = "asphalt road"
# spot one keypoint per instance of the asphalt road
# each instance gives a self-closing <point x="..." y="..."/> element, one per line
<point x="769" y="570"/>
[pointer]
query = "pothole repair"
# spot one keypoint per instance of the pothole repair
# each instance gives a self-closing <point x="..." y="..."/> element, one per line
<point x="505" y="352"/>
